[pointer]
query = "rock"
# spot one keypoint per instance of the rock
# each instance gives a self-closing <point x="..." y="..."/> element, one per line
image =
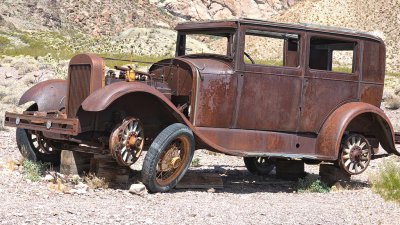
<point x="82" y="186"/>
<point x="211" y="190"/>
<point x="138" y="189"/>
<point x="48" y="178"/>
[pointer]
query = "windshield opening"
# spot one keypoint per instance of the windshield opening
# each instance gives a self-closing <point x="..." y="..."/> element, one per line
<point x="205" y="43"/>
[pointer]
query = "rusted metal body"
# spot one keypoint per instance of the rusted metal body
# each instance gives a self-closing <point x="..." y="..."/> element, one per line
<point x="297" y="110"/>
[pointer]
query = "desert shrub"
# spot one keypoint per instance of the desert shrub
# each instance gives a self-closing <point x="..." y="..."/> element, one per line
<point x="387" y="181"/>
<point x="95" y="182"/>
<point x="393" y="102"/>
<point x="196" y="162"/>
<point x="34" y="170"/>
<point x="4" y="41"/>
<point x="311" y="183"/>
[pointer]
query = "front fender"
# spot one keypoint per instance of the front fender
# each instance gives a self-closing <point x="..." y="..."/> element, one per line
<point x="331" y="133"/>
<point x="48" y="95"/>
<point x="102" y="98"/>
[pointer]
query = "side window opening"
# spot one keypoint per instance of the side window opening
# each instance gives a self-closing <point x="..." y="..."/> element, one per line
<point x="333" y="55"/>
<point x="271" y="48"/>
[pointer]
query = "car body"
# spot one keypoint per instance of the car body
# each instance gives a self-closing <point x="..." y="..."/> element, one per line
<point x="300" y="108"/>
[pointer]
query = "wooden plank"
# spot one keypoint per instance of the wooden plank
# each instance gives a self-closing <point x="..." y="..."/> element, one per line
<point x="201" y="181"/>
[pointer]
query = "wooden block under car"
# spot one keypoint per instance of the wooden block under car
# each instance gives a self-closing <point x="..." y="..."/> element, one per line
<point x="290" y="169"/>
<point x="75" y="162"/>
<point x="107" y="167"/>
<point x="333" y="175"/>
<point x="201" y="181"/>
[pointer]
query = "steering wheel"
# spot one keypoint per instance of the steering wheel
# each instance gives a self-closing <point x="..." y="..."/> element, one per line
<point x="248" y="56"/>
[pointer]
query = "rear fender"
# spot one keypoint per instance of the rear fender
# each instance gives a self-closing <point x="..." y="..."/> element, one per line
<point x="357" y="117"/>
<point x="48" y="95"/>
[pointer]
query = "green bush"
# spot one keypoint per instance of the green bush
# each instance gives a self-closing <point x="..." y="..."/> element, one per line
<point x="311" y="183"/>
<point x="196" y="162"/>
<point x="4" y="41"/>
<point x="387" y="181"/>
<point x="33" y="170"/>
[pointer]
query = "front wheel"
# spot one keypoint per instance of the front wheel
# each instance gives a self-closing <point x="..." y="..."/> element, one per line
<point x="168" y="158"/>
<point x="35" y="147"/>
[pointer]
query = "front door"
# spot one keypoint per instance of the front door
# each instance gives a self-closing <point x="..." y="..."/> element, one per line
<point x="269" y="80"/>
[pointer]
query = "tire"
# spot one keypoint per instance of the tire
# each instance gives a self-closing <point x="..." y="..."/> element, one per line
<point x="175" y="140"/>
<point x="29" y="151"/>
<point x="259" y="166"/>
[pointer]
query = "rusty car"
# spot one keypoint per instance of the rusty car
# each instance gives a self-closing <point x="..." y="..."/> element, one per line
<point x="299" y="105"/>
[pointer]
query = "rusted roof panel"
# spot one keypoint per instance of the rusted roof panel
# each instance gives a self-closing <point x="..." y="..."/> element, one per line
<point x="232" y="23"/>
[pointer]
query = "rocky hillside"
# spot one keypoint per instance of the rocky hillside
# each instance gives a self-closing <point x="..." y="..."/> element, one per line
<point x="379" y="17"/>
<point x="222" y="9"/>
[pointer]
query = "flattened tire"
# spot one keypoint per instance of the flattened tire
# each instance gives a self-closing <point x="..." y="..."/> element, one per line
<point x="29" y="151"/>
<point x="168" y="158"/>
<point x="259" y="166"/>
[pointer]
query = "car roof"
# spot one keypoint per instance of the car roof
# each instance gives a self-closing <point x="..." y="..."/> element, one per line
<point x="233" y="23"/>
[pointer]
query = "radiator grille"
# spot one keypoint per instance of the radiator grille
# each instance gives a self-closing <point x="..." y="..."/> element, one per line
<point x="79" y="87"/>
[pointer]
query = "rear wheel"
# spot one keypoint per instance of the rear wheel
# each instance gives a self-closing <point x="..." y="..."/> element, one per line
<point x="168" y="158"/>
<point x="258" y="165"/>
<point x="355" y="154"/>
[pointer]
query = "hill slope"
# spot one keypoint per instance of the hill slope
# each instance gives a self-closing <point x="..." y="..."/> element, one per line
<point x="379" y="17"/>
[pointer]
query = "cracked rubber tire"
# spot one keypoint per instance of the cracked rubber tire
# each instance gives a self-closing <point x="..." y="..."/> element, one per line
<point x="175" y="140"/>
<point x="30" y="152"/>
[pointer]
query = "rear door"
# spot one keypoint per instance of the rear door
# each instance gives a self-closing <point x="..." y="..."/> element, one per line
<point x="269" y="79"/>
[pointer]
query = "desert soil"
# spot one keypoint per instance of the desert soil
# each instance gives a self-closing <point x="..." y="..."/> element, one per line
<point x="245" y="199"/>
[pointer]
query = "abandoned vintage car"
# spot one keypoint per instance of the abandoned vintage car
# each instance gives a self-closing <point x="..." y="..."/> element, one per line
<point x="304" y="103"/>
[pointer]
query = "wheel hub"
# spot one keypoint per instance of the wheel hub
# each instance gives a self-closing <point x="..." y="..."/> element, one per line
<point x="355" y="154"/>
<point x="171" y="159"/>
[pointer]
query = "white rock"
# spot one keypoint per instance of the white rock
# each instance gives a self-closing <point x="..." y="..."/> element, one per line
<point x="48" y="177"/>
<point x="137" y="189"/>
<point x="82" y="187"/>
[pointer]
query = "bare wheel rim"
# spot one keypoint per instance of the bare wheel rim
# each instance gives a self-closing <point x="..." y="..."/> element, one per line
<point x="172" y="160"/>
<point x="355" y="154"/>
<point x="127" y="142"/>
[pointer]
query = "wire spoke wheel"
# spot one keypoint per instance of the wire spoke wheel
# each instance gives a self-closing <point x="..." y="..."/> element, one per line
<point x="355" y="154"/>
<point x="40" y="144"/>
<point x="172" y="161"/>
<point x="168" y="158"/>
<point x="126" y="142"/>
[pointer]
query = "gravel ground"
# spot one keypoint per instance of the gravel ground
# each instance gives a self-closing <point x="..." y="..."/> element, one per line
<point x="245" y="199"/>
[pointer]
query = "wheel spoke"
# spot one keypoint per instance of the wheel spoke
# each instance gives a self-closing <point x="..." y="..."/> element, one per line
<point x="351" y="167"/>
<point x="347" y="162"/>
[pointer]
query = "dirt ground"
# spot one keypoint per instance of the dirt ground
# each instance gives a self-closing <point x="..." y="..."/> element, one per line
<point x="245" y="199"/>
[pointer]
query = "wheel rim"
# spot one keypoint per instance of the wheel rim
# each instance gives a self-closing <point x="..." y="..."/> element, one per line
<point x="126" y="142"/>
<point x="355" y="154"/>
<point x="39" y="144"/>
<point x="172" y="161"/>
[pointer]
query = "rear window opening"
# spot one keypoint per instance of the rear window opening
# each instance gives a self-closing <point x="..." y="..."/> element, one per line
<point x="333" y="55"/>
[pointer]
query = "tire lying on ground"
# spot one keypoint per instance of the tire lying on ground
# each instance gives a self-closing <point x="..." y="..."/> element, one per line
<point x="168" y="158"/>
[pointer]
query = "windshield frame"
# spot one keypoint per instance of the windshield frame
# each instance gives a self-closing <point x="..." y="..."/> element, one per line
<point x="230" y="34"/>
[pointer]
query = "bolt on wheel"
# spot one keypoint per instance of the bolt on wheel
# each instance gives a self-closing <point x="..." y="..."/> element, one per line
<point x="355" y="154"/>
<point x="126" y="142"/>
